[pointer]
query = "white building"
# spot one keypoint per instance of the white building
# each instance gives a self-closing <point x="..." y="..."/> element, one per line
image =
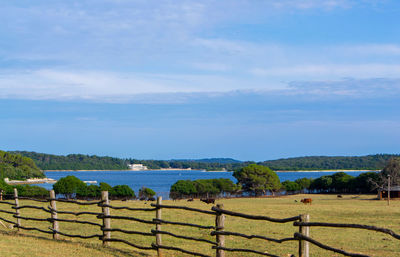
<point x="137" y="167"/>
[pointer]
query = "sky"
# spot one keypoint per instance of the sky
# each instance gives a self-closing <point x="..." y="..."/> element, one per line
<point x="174" y="79"/>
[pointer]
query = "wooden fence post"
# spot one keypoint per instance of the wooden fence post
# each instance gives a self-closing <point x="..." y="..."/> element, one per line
<point x="304" y="246"/>
<point x="158" y="227"/>
<point x="106" y="221"/>
<point x="17" y="212"/>
<point x="54" y="222"/>
<point x="219" y="226"/>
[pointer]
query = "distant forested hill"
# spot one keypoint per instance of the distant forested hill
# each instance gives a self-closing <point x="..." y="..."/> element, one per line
<point x="212" y="160"/>
<point x="369" y="162"/>
<point x="93" y="162"/>
<point x="210" y="164"/>
<point x="15" y="166"/>
<point x="74" y="161"/>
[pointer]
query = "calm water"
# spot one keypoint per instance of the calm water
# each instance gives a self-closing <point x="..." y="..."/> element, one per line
<point x="161" y="180"/>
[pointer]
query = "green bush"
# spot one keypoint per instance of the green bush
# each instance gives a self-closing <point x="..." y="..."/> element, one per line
<point x="70" y="186"/>
<point x="256" y="179"/>
<point x="122" y="191"/>
<point x="202" y="188"/>
<point x="291" y="186"/>
<point x="146" y="193"/>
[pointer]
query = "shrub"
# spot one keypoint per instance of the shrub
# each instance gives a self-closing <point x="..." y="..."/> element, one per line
<point x="122" y="191"/>
<point x="146" y="193"/>
<point x="70" y="186"/>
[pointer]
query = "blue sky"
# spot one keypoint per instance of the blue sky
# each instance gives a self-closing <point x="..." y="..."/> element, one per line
<point x="251" y="80"/>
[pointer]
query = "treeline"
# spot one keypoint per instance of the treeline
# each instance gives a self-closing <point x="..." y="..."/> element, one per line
<point x="15" y="166"/>
<point x="193" y="164"/>
<point x="203" y="188"/>
<point x="369" y="162"/>
<point x="74" y="161"/>
<point x="72" y="187"/>
<point x="93" y="162"/>
<point x="339" y="182"/>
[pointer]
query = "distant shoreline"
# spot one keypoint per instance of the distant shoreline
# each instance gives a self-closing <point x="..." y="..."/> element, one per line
<point x="218" y="170"/>
<point x="323" y="170"/>
<point x="124" y="170"/>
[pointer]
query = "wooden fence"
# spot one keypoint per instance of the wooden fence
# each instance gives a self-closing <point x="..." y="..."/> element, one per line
<point x="302" y="222"/>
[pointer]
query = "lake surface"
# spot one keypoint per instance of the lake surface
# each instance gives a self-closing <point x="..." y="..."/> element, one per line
<point x="161" y="180"/>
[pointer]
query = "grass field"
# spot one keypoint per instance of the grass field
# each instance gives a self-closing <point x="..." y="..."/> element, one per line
<point x="325" y="208"/>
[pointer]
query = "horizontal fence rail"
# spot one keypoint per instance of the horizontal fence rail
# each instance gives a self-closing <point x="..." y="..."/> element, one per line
<point x="341" y="225"/>
<point x="255" y="217"/>
<point x="302" y="237"/>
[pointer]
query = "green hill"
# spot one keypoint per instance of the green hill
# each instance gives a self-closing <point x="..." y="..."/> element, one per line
<point x="368" y="162"/>
<point x="74" y="161"/>
<point x="15" y="166"/>
<point x="211" y="160"/>
<point x="93" y="162"/>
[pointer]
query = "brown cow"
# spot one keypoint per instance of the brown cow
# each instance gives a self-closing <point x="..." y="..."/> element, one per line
<point x="208" y="200"/>
<point x="306" y="200"/>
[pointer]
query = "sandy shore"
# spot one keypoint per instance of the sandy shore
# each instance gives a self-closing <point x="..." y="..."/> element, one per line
<point x="31" y="181"/>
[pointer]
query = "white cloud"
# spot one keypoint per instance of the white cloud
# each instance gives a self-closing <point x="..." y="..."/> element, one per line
<point x="107" y="86"/>
<point x="103" y="49"/>
<point x="162" y="88"/>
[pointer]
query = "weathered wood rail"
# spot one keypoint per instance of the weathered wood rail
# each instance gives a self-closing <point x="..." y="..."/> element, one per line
<point x="302" y="237"/>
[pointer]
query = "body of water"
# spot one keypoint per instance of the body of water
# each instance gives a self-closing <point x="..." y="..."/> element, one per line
<point x="161" y="180"/>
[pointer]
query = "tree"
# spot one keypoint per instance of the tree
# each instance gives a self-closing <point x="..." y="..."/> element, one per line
<point x="391" y="169"/>
<point x="105" y="187"/>
<point x="93" y="191"/>
<point x="225" y="186"/>
<point x="4" y="186"/>
<point x="146" y="193"/>
<point x="182" y="188"/>
<point x="304" y="183"/>
<point x="341" y="182"/>
<point x="365" y="182"/>
<point x="122" y="191"/>
<point x="69" y="186"/>
<point x="322" y="184"/>
<point x="257" y="179"/>
<point x="291" y="186"/>
<point x="205" y="187"/>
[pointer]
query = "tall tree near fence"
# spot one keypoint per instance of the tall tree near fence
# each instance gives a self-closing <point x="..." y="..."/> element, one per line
<point x="256" y="179"/>
<point x="391" y="169"/>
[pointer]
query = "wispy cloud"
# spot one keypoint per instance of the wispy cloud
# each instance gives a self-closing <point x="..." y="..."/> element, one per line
<point x="360" y="88"/>
<point x="107" y="50"/>
<point x="332" y="71"/>
<point x="108" y="86"/>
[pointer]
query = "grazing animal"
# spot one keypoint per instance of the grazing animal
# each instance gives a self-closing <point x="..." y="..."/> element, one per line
<point x="306" y="200"/>
<point x="208" y="200"/>
<point x="295" y="201"/>
<point x="190" y="200"/>
<point x="339" y="196"/>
